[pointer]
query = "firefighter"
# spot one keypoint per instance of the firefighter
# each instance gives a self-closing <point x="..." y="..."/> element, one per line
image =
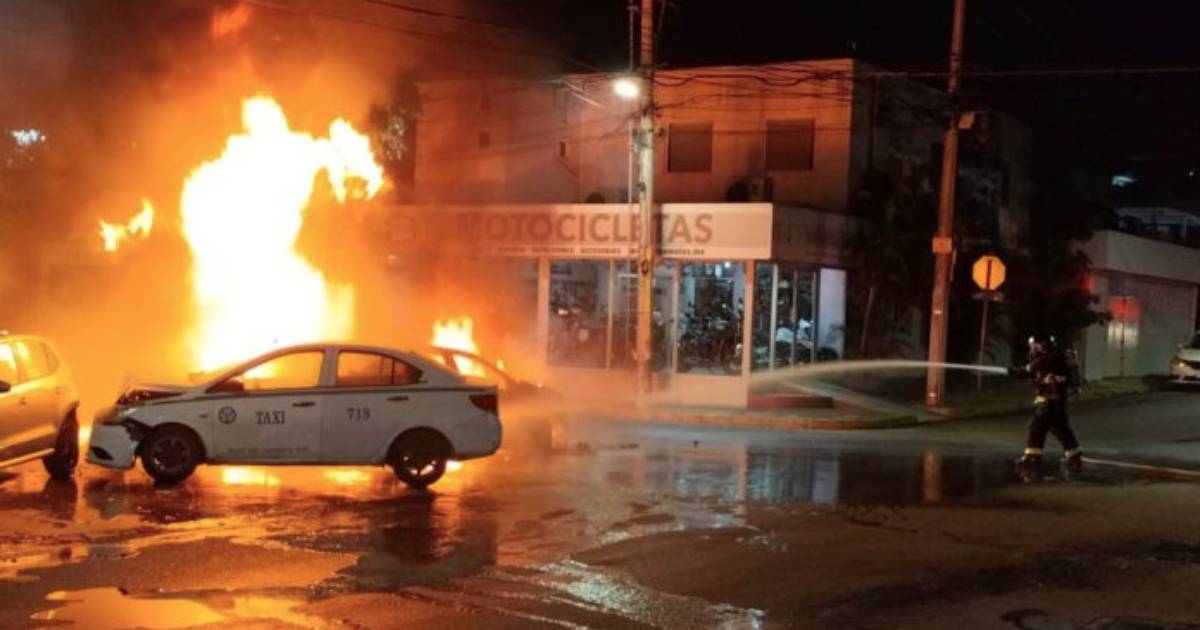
<point x="1054" y="377"/>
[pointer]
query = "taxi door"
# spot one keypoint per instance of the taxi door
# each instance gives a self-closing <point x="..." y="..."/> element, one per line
<point x="271" y="412"/>
<point x="370" y="392"/>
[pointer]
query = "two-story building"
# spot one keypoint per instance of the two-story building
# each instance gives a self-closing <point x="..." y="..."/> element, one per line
<point x="760" y="173"/>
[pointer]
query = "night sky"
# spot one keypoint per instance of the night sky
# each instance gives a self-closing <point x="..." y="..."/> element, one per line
<point x="1147" y="122"/>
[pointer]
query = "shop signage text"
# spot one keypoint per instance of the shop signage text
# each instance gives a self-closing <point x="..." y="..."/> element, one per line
<point x="713" y="231"/>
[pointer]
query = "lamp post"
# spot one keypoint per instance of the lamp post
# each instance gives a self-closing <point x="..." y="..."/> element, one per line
<point x="642" y="89"/>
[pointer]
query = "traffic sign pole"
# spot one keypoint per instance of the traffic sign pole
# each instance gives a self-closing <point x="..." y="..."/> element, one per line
<point x="988" y="273"/>
<point x="983" y="322"/>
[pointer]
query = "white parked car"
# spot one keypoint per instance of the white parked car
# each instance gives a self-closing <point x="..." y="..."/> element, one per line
<point x="314" y="404"/>
<point x="38" y="401"/>
<point x="1185" y="366"/>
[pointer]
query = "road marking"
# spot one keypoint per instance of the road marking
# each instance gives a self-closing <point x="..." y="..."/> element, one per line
<point x="1165" y="471"/>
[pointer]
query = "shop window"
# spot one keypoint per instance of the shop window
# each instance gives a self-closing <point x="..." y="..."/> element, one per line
<point x="578" y="331"/>
<point x="783" y="316"/>
<point x="689" y="148"/>
<point x="625" y="317"/>
<point x="790" y="145"/>
<point x="710" y="317"/>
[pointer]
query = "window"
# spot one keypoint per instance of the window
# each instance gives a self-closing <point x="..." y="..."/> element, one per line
<point x="363" y="369"/>
<point x="299" y="370"/>
<point x="8" y="364"/>
<point x="624" y="344"/>
<point x="485" y="139"/>
<point x="578" y="335"/>
<point x="51" y="360"/>
<point x="790" y="145"/>
<point x="32" y="360"/>
<point x="467" y="366"/>
<point x="689" y="148"/>
<point x="710" y="317"/>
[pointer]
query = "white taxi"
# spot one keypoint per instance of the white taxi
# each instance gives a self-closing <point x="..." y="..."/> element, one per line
<point x="326" y="404"/>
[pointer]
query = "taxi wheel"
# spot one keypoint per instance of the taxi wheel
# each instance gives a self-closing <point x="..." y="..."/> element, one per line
<point x="419" y="458"/>
<point x="170" y="454"/>
<point x="61" y="463"/>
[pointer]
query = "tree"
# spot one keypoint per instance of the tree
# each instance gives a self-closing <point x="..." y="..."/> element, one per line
<point x="1050" y="293"/>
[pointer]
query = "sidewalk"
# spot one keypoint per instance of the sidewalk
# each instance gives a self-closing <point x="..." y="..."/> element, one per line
<point x="1018" y="399"/>
<point x="857" y="411"/>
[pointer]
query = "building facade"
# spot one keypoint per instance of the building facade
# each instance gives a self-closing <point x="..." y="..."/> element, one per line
<point x="794" y="147"/>
<point x="1149" y="283"/>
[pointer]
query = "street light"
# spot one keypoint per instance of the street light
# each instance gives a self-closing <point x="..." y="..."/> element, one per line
<point x="627" y="88"/>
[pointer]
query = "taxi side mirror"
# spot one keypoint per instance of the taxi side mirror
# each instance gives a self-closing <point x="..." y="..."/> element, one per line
<point x="5" y="387"/>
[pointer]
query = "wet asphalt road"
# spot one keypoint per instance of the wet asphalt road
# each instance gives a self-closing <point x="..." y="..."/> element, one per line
<point x="497" y="543"/>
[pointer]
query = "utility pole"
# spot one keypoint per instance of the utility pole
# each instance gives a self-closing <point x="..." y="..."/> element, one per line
<point x="648" y="233"/>
<point x="943" y="242"/>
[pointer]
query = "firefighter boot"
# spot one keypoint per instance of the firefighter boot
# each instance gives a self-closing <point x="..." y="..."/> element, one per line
<point x="1073" y="460"/>
<point x="1029" y="467"/>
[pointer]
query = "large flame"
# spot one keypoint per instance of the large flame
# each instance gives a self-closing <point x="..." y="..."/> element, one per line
<point x="241" y="215"/>
<point x="458" y="334"/>
<point x="114" y="233"/>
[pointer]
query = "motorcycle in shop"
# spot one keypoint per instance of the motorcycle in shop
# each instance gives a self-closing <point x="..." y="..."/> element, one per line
<point x="784" y="340"/>
<point x="572" y="341"/>
<point x="625" y="344"/>
<point x="711" y="342"/>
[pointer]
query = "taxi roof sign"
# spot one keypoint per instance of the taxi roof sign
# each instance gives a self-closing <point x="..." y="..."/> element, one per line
<point x="988" y="272"/>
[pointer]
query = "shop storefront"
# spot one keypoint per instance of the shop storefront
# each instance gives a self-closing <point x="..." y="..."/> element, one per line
<point x="731" y="276"/>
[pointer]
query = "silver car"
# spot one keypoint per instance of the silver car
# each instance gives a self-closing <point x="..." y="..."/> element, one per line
<point x="1185" y="365"/>
<point x="38" y="403"/>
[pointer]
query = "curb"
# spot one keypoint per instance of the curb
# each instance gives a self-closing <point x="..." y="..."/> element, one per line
<point x="1025" y="407"/>
<point x="746" y="421"/>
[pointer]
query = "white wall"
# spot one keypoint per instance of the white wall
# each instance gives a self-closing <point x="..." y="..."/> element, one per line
<point x="1151" y="289"/>
<point x="831" y="310"/>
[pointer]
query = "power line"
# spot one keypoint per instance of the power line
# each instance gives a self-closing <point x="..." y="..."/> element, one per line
<point x="523" y="52"/>
<point x="449" y="16"/>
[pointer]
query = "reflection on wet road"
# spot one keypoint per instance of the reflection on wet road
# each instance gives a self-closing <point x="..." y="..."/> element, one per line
<point x="495" y="537"/>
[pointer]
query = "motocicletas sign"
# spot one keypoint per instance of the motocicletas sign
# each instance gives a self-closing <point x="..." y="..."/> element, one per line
<point x="695" y="231"/>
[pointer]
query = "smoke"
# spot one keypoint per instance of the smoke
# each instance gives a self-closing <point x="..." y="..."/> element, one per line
<point x="131" y="96"/>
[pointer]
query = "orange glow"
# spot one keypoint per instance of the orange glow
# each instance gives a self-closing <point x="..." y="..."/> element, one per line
<point x="239" y="476"/>
<point x="346" y="477"/>
<point x="114" y="233"/>
<point x="242" y="213"/>
<point x="459" y="334"/>
<point x="85" y="434"/>
<point x="229" y="22"/>
<point x="453" y="466"/>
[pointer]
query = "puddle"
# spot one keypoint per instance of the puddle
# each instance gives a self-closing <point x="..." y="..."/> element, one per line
<point x="576" y="595"/>
<point x="111" y="609"/>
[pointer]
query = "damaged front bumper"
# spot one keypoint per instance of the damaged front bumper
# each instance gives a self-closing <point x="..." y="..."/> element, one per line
<point x="114" y="445"/>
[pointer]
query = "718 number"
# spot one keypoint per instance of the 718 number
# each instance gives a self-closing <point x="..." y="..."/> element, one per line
<point x="358" y="413"/>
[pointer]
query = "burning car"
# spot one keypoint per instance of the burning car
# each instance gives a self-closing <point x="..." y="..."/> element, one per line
<point x="533" y="414"/>
<point x="328" y="404"/>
